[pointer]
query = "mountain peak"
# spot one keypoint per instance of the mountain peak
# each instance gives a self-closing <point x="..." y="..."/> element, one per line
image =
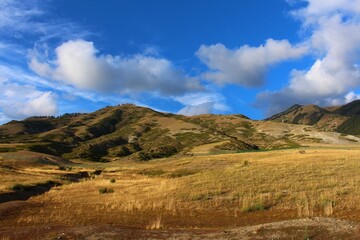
<point x="300" y="114"/>
<point x="349" y="109"/>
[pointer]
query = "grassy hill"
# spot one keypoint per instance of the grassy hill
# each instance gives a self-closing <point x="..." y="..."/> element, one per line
<point x="125" y="131"/>
<point x="129" y="132"/>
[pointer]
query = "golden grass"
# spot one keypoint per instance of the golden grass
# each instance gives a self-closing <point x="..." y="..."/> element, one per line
<point x="206" y="148"/>
<point x="320" y="182"/>
<point x="155" y="224"/>
<point x="12" y="177"/>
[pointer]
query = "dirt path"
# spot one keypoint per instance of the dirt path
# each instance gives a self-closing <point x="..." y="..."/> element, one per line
<point x="302" y="229"/>
<point x="310" y="228"/>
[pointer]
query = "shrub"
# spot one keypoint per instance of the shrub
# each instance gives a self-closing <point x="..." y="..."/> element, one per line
<point x="106" y="190"/>
<point x="97" y="172"/>
<point x="246" y="163"/>
<point x="112" y="180"/>
<point x="255" y="207"/>
<point x="65" y="168"/>
<point x="62" y="168"/>
<point x="18" y="187"/>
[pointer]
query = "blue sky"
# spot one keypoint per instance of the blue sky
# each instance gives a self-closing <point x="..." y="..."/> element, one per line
<point x="252" y="57"/>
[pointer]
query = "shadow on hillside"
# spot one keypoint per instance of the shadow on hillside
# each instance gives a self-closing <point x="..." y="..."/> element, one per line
<point x="24" y="192"/>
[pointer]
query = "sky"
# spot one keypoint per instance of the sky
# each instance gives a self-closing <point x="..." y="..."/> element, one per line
<point x="252" y="57"/>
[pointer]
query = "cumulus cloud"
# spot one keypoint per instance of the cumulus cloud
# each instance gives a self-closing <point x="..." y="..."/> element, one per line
<point x="202" y="103"/>
<point x="21" y="101"/>
<point x="246" y="65"/>
<point x="202" y="108"/>
<point x="79" y="64"/>
<point x="334" y="37"/>
<point x="22" y="25"/>
<point x="318" y="9"/>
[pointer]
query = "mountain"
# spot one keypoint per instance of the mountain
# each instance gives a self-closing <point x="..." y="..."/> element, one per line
<point x="116" y="132"/>
<point x="297" y="114"/>
<point x="350" y="109"/>
<point x="343" y="119"/>
<point x="129" y="132"/>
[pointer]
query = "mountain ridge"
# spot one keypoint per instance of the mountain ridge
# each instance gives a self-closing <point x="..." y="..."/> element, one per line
<point x="129" y="132"/>
<point x="341" y="119"/>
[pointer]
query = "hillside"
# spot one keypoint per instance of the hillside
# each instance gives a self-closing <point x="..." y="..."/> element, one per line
<point x="125" y="131"/>
<point x="129" y="132"/>
<point x="212" y="179"/>
<point x="342" y="119"/>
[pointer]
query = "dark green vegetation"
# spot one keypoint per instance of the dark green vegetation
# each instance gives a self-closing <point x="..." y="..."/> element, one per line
<point x="106" y="190"/>
<point x="18" y="187"/>
<point x="350" y="126"/>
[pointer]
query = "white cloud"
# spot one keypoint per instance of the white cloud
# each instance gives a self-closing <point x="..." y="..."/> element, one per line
<point x="31" y="17"/>
<point x="21" y="101"/>
<point x="335" y="73"/>
<point x="79" y="64"/>
<point x="246" y="65"/>
<point x="317" y="9"/>
<point x="42" y="69"/>
<point x="351" y="96"/>
<point x="17" y="76"/>
<point x="44" y="104"/>
<point x="17" y="16"/>
<point x="24" y="24"/>
<point x="202" y="103"/>
<point x="193" y="110"/>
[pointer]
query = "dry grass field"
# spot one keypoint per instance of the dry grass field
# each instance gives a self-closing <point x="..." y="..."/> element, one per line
<point x="201" y="193"/>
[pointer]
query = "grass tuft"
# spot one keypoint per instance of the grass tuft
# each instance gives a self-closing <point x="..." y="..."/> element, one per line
<point x="106" y="190"/>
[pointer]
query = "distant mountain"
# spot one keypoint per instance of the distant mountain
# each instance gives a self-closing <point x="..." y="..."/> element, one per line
<point x="297" y="114"/>
<point x="344" y="119"/>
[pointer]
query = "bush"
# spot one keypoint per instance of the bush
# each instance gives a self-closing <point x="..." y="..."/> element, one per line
<point x="246" y="163"/>
<point x="258" y="206"/>
<point x="106" y="190"/>
<point x="112" y="180"/>
<point x="65" y="168"/>
<point x="18" y="187"/>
